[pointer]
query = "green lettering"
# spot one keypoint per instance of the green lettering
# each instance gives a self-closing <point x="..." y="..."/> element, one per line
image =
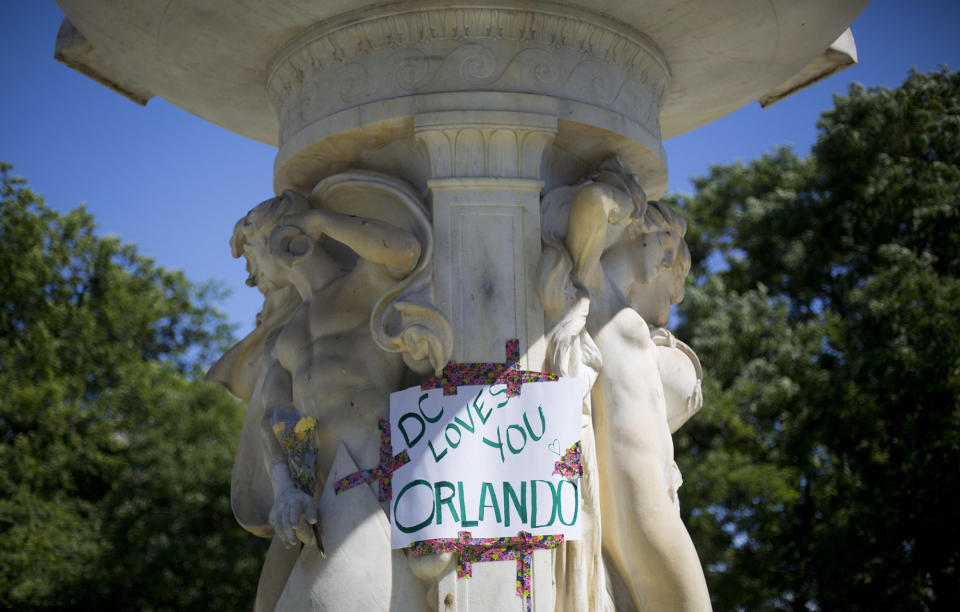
<point x="500" y="392"/>
<point x="483" y="419"/>
<point x="497" y="445"/>
<point x="448" y="501"/>
<point x="483" y="501"/>
<point x="533" y="503"/>
<point x="576" y="501"/>
<point x="403" y="430"/>
<point x="463" y="424"/>
<point x="516" y="451"/>
<point x="396" y="503"/>
<point x="463" y="508"/>
<point x="446" y="434"/>
<point x="543" y="424"/>
<point x="436" y="458"/>
<point x="420" y="406"/>
<point x="520" y="505"/>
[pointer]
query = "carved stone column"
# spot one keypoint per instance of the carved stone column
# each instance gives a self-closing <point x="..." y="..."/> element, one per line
<point x="485" y="194"/>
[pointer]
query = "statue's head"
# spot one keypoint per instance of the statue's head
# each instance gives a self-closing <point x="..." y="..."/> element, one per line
<point x="653" y="262"/>
<point x="251" y="239"/>
<point x="675" y="259"/>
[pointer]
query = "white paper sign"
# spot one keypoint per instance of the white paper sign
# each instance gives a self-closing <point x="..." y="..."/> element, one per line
<point x="483" y="462"/>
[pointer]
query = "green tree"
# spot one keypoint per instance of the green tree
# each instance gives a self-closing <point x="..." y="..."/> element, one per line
<point x="116" y="458"/>
<point x="824" y="472"/>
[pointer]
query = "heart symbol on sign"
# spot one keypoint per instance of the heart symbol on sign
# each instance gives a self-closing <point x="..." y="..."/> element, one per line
<point x="554" y="447"/>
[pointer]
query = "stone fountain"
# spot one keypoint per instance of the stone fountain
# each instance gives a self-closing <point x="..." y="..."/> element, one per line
<point x="451" y="176"/>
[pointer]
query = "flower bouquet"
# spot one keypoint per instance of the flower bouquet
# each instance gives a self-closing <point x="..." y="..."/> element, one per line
<point x="298" y="437"/>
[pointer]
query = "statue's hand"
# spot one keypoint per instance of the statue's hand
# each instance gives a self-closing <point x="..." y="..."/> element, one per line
<point x="423" y="346"/>
<point x="292" y="514"/>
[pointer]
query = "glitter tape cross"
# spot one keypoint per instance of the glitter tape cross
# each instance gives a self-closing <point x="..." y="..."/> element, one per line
<point x="487" y="373"/>
<point x="383" y="472"/>
<point x="569" y="465"/>
<point x="479" y="550"/>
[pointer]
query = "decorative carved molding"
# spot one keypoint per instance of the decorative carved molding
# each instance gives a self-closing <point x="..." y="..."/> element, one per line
<point x="325" y="47"/>
<point x="486" y="143"/>
<point x="547" y="50"/>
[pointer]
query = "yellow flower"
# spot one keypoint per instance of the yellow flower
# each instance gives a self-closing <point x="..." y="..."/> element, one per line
<point x="278" y="428"/>
<point x="304" y="426"/>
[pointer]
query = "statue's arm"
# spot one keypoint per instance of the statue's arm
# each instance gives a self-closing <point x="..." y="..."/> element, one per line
<point x="372" y="239"/>
<point x="291" y="506"/>
<point x="597" y="215"/>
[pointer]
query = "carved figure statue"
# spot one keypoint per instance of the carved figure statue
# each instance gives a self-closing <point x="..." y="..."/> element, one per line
<point x="348" y="315"/>
<point x="613" y="263"/>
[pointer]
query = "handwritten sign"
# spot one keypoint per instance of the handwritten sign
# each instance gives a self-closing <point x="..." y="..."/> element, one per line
<point x="484" y="462"/>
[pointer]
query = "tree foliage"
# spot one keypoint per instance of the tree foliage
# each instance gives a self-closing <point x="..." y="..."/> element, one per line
<point x="114" y="490"/>
<point x="824" y="472"/>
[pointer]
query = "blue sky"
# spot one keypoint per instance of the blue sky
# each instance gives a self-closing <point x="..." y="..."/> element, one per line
<point x="174" y="185"/>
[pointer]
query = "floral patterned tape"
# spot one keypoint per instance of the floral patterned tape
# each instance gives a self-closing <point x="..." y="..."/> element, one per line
<point x="480" y="550"/>
<point x="569" y="465"/>
<point x="506" y="373"/>
<point x="383" y="472"/>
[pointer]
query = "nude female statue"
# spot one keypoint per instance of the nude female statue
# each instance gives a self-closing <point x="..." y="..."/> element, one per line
<point x="613" y="264"/>
<point x="357" y="255"/>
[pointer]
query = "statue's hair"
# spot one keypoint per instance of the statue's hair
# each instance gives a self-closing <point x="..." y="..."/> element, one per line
<point x="676" y="254"/>
<point x="564" y="297"/>
<point x="570" y="349"/>
<point x="254" y="230"/>
<point x="262" y="218"/>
